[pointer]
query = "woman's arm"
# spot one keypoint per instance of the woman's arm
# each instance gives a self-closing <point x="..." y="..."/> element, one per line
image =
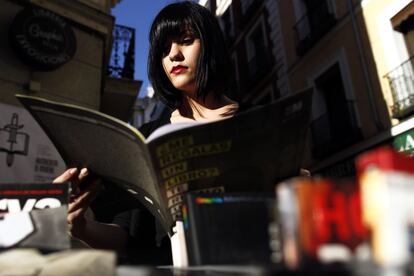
<point x="102" y="236"/>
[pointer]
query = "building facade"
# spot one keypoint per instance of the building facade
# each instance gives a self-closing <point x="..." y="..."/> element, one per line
<point x="327" y="48"/>
<point x="58" y="50"/>
<point x="356" y="55"/>
<point x="390" y="26"/>
<point x="391" y="32"/>
<point x="251" y="30"/>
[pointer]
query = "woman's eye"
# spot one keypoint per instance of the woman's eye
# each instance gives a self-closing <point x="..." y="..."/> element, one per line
<point x="187" y="40"/>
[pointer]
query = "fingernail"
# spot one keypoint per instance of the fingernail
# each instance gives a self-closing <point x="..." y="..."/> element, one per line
<point x="84" y="171"/>
<point x="72" y="171"/>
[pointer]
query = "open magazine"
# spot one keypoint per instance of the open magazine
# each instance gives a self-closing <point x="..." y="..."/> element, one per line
<point x="248" y="152"/>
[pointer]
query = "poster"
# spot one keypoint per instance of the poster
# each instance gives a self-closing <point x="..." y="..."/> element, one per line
<point x="26" y="153"/>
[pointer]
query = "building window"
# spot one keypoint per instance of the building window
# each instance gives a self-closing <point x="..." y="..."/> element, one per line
<point x="258" y="57"/>
<point x="227" y="24"/>
<point x="265" y="97"/>
<point x="335" y="126"/>
<point x="236" y="84"/>
<point x="315" y="19"/>
<point x="245" y="5"/>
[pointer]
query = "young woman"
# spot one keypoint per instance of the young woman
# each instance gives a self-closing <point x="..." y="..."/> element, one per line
<point x="189" y="66"/>
<point x="190" y="71"/>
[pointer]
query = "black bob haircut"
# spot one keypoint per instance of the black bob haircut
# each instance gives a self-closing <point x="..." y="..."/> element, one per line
<point x="213" y="73"/>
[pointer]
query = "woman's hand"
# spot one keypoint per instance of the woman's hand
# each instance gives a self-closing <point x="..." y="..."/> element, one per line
<point x="93" y="233"/>
<point x="79" y="199"/>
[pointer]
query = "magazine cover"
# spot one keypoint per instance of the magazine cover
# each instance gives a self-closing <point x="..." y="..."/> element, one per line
<point x="34" y="215"/>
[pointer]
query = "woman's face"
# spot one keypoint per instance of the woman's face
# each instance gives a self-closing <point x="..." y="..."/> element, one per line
<point x="180" y="63"/>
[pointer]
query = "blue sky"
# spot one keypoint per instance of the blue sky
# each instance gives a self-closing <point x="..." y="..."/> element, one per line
<point x="139" y="14"/>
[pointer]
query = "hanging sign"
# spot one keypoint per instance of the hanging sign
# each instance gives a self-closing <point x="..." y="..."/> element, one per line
<point x="42" y="39"/>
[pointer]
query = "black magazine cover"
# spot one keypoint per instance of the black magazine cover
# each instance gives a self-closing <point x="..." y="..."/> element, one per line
<point x="227" y="228"/>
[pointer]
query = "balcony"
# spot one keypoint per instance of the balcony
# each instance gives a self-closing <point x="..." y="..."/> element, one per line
<point x="313" y="26"/>
<point x="122" y="62"/>
<point x="332" y="135"/>
<point x="401" y="81"/>
<point x="120" y="89"/>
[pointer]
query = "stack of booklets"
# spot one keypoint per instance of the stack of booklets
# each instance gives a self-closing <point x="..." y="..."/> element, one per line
<point x="34" y="216"/>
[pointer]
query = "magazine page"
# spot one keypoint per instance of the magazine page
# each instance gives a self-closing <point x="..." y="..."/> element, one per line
<point x="108" y="147"/>
<point x="249" y="152"/>
<point x="163" y="130"/>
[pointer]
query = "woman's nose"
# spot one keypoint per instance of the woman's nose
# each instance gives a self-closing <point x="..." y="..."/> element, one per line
<point x="175" y="52"/>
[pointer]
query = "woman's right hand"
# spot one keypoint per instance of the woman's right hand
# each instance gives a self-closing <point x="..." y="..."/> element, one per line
<point x="79" y="199"/>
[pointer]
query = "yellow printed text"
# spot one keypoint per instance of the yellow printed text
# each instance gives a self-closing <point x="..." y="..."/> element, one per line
<point x="174" y="169"/>
<point x="191" y="176"/>
<point x="176" y="190"/>
<point x="174" y="145"/>
<point x="190" y="152"/>
<point x="175" y="200"/>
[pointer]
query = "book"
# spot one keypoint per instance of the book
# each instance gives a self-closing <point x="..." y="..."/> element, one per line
<point x="227" y="228"/>
<point x="34" y="215"/>
<point x="250" y="151"/>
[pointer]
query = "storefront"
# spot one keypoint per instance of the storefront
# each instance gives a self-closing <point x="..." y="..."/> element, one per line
<point x="342" y="164"/>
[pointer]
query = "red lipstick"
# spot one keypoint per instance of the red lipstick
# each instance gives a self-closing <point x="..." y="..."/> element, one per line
<point x="178" y="69"/>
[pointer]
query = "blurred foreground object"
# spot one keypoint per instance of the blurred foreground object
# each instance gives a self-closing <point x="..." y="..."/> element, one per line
<point x="387" y="185"/>
<point x="65" y="263"/>
<point x="34" y="216"/>
<point x="320" y="221"/>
